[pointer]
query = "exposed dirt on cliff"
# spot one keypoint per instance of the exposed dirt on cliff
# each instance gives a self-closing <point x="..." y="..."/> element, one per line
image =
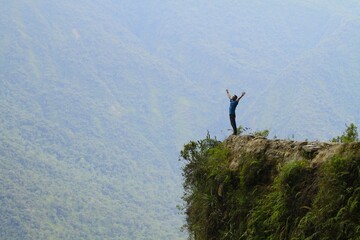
<point x="282" y="151"/>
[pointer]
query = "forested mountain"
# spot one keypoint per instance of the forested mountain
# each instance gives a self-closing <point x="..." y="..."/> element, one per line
<point x="97" y="97"/>
<point x="84" y="145"/>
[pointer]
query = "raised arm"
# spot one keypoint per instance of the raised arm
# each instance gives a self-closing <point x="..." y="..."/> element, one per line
<point x="227" y="91"/>
<point x="243" y="94"/>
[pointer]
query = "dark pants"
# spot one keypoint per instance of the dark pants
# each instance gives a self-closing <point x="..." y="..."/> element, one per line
<point x="233" y="123"/>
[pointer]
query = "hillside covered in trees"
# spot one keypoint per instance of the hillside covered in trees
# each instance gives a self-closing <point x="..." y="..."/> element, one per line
<point x="98" y="96"/>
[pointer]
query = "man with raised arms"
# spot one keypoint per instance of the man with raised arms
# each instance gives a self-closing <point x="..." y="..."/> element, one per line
<point x="234" y="100"/>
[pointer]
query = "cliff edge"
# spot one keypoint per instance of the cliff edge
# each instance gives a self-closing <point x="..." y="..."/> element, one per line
<point x="255" y="188"/>
<point x="283" y="151"/>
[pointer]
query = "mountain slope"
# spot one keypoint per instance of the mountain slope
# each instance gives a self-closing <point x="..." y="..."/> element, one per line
<point x="270" y="49"/>
<point x="97" y="97"/>
<point x="76" y="160"/>
<point x="319" y="89"/>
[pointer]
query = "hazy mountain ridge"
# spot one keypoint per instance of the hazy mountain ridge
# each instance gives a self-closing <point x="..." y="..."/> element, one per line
<point x="98" y="96"/>
<point x="329" y="69"/>
<point x="221" y="48"/>
<point x="66" y="123"/>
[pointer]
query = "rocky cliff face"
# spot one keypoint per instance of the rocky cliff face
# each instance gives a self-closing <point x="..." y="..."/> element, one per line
<point x="254" y="188"/>
<point x="283" y="151"/>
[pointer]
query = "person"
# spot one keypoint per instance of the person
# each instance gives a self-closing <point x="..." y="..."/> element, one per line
<point x="234" y="100"/>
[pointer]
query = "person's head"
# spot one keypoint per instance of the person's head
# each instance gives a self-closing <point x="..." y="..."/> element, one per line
<point x="234" y="98"/>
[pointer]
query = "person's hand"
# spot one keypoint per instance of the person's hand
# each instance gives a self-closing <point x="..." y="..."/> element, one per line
<point x="243" y="93"/>
<point x="227" y="91"/>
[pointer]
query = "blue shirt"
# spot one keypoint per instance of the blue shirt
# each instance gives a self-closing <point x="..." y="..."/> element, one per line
<point x="233" y="105"/>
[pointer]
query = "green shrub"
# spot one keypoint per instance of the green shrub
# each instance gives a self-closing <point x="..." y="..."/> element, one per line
<point x="277" y="214"/>
<point x="336" y="211"/>
<point x="205" y="171"/>
<point x="217" y="200"/>
<point x="350" y="135"/>
<point x="263" y="133"/>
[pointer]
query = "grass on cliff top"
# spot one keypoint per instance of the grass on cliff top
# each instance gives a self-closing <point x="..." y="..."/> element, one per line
<point x="262" y="200"/>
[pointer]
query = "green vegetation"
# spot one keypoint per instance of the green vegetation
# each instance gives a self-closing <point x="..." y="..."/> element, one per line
<point x="270" y="200"/>
<point x="257" y="133"/>
<point x="97" y="98"/>
<point x="350" y="135"/>
<point x="241" y="130"/>
<point x="86" y="151"/>
<point x="263" y="133"/>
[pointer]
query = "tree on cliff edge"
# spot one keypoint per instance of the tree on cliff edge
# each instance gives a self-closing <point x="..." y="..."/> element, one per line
<point x="350" y="135"/>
